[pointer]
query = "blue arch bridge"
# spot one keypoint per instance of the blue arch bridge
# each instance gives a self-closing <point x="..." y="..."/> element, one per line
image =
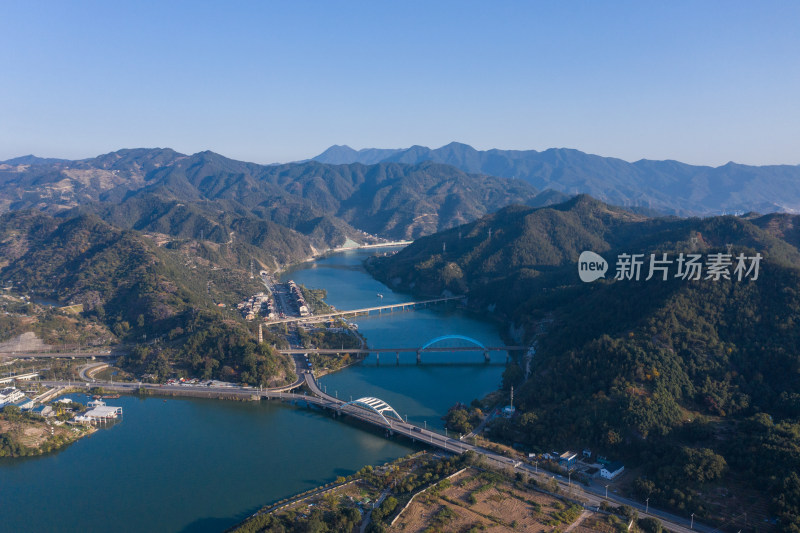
<point x="434" y="345"/>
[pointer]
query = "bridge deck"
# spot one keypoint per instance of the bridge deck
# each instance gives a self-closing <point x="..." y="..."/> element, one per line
<point x="367" y="351"/>
<point x="363" y="311"/>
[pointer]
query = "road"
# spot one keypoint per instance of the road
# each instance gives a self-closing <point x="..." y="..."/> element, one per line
<point x="364" y="311"/>
<point x="61" y="355"/>
<point x="87" y="372"/>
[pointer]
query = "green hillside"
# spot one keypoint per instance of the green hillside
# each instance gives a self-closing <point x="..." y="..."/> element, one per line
<point x="677" y="376"/>
<point x="142" y="287"/>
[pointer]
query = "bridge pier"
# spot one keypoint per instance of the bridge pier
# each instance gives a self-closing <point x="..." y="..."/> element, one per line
<point x="486" y="356"/>
<point x="419" y="356"/>
<point x="378" y="358"/>
<point x="398" y="358"/>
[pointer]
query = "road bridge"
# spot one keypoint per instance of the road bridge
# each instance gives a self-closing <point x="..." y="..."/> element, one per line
<point x="430" y="346"/>
<point x="368" y="246"/>
<point x="403" y="306"/>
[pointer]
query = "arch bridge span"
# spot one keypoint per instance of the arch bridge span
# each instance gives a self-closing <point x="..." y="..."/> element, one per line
<point x="449" y="337"/>
<point x="430" y="343"/>
<point x="375" y="405"/>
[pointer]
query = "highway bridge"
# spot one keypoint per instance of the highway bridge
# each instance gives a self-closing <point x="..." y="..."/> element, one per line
<point x="403" y="306"/>
<point x="431" y="346"/>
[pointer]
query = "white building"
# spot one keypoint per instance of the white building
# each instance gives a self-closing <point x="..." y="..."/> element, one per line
<point x="10" y="395"/>
<point x="611" y="470"/>
<point x="100" y="413"/>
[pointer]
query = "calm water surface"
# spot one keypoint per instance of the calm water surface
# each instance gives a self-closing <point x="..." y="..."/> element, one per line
<point x="203" y="465"/>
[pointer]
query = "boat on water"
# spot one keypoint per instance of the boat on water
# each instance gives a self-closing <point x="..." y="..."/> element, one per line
<point x="380" y="295"/>
<point x="111" y="396"/>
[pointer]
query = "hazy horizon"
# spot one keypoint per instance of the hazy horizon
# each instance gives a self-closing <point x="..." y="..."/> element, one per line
<point x="47" y="156"/>
<point x="702" y="83"/>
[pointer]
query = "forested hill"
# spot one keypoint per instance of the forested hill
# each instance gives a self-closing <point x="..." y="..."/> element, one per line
<point x="326" y="203"/>
<point x="666" y="186"/>
<point x="698" y="382"/>
<point x="138" y="287"/>
<point x="540" y="247"/>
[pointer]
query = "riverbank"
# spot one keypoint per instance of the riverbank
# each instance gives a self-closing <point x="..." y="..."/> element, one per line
<point x="447" y="493"/>
<point x="26" y="435"/>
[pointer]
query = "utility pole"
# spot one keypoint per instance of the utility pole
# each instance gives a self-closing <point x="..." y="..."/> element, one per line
<point x="691" y="526"/>
<point x="647" y="504"/>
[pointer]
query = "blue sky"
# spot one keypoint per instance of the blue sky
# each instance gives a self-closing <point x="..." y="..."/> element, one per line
<point x="699" y="81"/>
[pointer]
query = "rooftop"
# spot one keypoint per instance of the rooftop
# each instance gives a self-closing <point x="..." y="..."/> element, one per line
<point x="103" y="411"/>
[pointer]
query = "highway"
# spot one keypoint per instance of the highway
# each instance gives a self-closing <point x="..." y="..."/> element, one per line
<point x="62" y="355"/>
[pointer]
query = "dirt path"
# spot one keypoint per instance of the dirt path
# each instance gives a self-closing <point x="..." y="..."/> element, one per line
<point x="585" y="514"/>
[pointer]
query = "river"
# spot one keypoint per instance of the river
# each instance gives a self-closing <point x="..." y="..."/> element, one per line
<point x="203" y="465"/>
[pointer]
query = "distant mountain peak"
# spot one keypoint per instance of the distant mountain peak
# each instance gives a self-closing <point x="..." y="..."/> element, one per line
<point x="31" y="159"/>
<point x="341" y="154"/>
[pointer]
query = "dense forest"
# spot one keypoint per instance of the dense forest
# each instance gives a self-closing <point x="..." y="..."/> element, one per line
<point x="696" y="380"/>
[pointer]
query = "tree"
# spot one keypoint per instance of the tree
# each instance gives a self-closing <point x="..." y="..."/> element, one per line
<point x="650" y="525"/>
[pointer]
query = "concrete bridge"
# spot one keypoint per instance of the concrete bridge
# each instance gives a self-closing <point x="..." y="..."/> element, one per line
<point x="403" y="306"/>
<point x="431" y="346"/>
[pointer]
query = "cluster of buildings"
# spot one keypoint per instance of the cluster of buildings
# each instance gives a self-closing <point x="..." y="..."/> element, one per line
<point x="11" y="395"/>
<point x="300" y="301"/>
<point x="14" y="396"/>
<point x="602" y="467"/>
<point x="257" y="305"/>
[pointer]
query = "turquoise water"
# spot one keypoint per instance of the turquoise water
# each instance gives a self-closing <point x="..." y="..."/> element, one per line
<point x="203" y="465"/>
<point x="423" y="392"/>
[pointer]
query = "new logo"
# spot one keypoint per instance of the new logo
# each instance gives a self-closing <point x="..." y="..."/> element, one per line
<point x="591" y="266"/>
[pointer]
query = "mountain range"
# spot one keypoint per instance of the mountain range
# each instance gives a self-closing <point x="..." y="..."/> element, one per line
<point x="291" y="209"/>
<point x="668" y="187"/>
<point x="285" y="213"/>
